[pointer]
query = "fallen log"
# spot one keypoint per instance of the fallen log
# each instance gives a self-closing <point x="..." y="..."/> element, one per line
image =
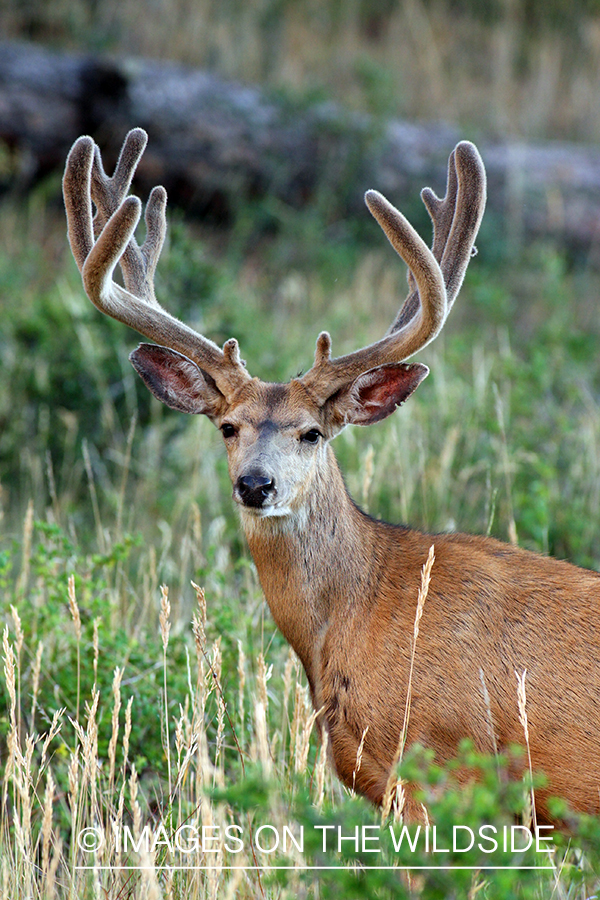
<point x="214" y="144"/>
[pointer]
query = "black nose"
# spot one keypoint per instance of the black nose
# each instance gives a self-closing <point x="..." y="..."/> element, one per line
<point x="255" y="489"/>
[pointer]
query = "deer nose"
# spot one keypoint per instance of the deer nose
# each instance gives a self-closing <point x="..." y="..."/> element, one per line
<point x="255" y="489"/>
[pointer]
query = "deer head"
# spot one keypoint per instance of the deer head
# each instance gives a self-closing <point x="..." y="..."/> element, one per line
<point x="276" y="435"/>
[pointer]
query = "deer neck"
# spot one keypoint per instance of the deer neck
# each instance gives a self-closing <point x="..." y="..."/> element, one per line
<point x="315" y="562"/>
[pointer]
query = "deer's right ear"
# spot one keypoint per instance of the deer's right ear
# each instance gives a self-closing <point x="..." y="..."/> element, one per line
<point x="375" y="394"/>
<point x="177" y="381"/>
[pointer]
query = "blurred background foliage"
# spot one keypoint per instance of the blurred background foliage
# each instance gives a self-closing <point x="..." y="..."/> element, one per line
<point x="525" y="67"/>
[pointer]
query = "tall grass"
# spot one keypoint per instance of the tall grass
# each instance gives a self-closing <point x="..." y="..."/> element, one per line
<point x="190" y="769"/>
<point x="79" y="797"/>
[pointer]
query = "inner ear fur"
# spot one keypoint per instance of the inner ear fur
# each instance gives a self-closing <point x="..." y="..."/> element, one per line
<point x="177" y="381"/>
<point x="375" y="394"/>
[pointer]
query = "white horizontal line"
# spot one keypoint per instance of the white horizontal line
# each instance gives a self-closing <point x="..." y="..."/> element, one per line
<point x="314" y="868"/>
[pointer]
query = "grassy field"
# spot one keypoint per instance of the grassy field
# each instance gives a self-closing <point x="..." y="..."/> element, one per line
<point x="146" y="693"/>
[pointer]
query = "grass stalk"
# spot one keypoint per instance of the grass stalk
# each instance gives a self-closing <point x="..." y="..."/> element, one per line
<point x="165" y="628"/>
<point x="392" y="783"/>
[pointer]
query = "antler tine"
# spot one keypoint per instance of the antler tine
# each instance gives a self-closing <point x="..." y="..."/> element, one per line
<point x="458" y="214"/>
<point x="441" y="213"/>
<point x="115" y="222"/>
<point x="459" y="246"/>
<point x="109" y="192"/>
<point x="328" y="375"/>
<point x="138" y="264"/>
<point x="78" y="202"/>
<point x="435" y="275"/>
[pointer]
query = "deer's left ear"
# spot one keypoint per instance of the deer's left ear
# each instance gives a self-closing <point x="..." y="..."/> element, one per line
<point x="375" y="394"/>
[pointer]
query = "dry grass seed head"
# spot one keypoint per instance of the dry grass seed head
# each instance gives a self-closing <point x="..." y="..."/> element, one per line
<point x="30" y="742"/>
<point x="112" y="746"/>
<point x="50" y="880"/>
<point x="199" y="620"/>
<point x="399" y="802"/>
<point x="89" y="746"/>
<point x="134" y="804"/>
<point x="291" y="663"/>
<point x="296" y="723"/>
<point x="179" y="736"/>
<point x="47" y="823"/>
<point x="18" y="629"/>
<point x="150" y="886"/>
<point x="55" y="727"/>
<point x="303" y="744"/>
<point x="73" y="607"/>
<point x="262" y="677"/>
<point x="184" y="764"/>
<point x="117" y="825"/>
<point x="261" y="738"/>
<point x="74" y="783"/>
<point x="359" y="756"/>
<point x="216" y="662"/>
<point x="321" y="769"/>
<point x="164" y="617"/>
<point x="23" y="848"/>
<point x="9" y="675"/>
<point x="522" y="701"/>
<point x="529" y="813"/>
<point x="204" y="767"/>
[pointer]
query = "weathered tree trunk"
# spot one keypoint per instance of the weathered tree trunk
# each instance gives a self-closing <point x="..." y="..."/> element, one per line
<point x="214" y="143"/>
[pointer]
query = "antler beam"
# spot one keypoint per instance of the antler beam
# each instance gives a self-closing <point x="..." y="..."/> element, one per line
<point x="116" y="219"/>
<point x="435" y="276"/>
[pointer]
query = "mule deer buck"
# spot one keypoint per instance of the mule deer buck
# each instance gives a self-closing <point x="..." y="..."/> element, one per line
<point x="341" y="586"/>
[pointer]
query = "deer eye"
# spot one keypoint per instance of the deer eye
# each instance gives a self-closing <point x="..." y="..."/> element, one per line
<point x="312" y="436"/>
<point x="227" y="430"/>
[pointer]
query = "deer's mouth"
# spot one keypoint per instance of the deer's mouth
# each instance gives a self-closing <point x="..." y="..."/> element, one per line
<point x="269" y="509"/>
<point x="262" y="512"/>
